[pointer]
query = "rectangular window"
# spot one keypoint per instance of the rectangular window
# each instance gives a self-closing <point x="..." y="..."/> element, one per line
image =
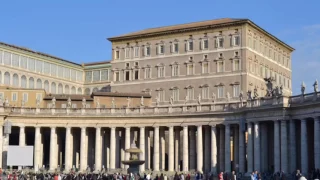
<point x="39" y="97"/>
<point x="190" y="94"/>
<point x="175" y="70"/>
<point x="236" y="65"/>
<point x="161" y="49"/>
<point x="220" y="66"/>
<point x="136" y="51"/>
<point x="175" y="48"/>
<point x="95" y="75"/>
<point x="190" y="69"/>
<point x="127" y="52"/>
<point x="63" y="105"/>
<point x="117" y="54"/>
<point x="254" y="44"/>
<point x="88" y="76"/>
<point x="74" y="106"/>
<point x="14" y="96"/>
<point x="127" y="76"/>
<point x="160" y="72"/>
<point x="25" y="97"/>
<point x="39" y="66"/>
<point x="147" y="73"/>
<point x="2" y="95"/>
<point x="236" y="90"/>
<point x="220" y="92"/>
<point x="205" y="68"/>
<point x="220" y="42"/>
<point x="261" y="71"/>
<point x="190" y="46"/>
<point x="236" y="41"/>
<point x="23" y="62"/>
<point x="31" y="64"/>
<point x="161" y="95"/>
<point x="175" y="94"/>
<point x="147" y="51"/>
<point x="205" y="92"/>
<point x="104" y="75"/>
<point x="136" y="74"/>
<point x="117" y="76"/>
<point x="205" y="44"/>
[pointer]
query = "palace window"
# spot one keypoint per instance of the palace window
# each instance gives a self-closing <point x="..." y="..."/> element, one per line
<point x="96" y="76"/>
<point x="14" y="96"/>
<point x="236" y="90"/>
<point x="117" y="76"/>
<point x="190" y="69"/>
<point x="161" y="71"/>
<point x="147" y="73"/>
<point x="175" y="94"/>
<point x="175" y="47"/>
<point x="175" y="70"/>
<point x="161" y="95"/>
<point x="147" y="51"/>
<point x="127" y="52"/>
<point x="236" y="40"/>
<point x="15" y="60"/>
<point x="127" y="76"/>
<point x="236" y="65"/>
<point x="39" y="96"/>
<point x="117" y="54"/>
<point x="249" y="42"/>
<point x="205" y="92"/>
<point x="190" y="93"/>
<point x="25" y="97"/>
<point x="88" y="76"/>
<point x="261" y="71"/>
<point x="136" y="51"/>
<point x="220" y="66"/>
<point x="23" y="81"/>
<point x="161" y="49"/>
<point x="254" y="44"/>
<point x="205" y="44"/>
<point x="205" y="67"/>
<point x="220" y="91"/>
<point x="220" y="42"/>
<point x="190" y="45"/>
<point x="105" y="75"/>
<point x="136" y="75"/>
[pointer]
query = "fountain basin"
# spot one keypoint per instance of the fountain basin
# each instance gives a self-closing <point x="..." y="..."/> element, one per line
<point x="133" y="162"/>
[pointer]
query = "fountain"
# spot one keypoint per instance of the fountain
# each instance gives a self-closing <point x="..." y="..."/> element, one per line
<point x="133" y="161"/>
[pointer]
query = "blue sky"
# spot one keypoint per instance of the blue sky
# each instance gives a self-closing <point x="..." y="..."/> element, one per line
<point x="76" y="30"/>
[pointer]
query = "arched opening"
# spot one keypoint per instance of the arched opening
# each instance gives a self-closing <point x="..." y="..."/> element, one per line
<point x="15" y="79"/>
<point x="31" y="83"/>
<point x="23" y="81"/>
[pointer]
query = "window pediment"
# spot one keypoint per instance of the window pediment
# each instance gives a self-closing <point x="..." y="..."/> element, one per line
<point x="203" y="85"/>
<point x="220" y="84"/>
<point x="159" y="89"/>
<point x="189" y="87"/>
<point x="173" y="88"/>
<point x="160" y="65"/>
<point x="174" y="63"/>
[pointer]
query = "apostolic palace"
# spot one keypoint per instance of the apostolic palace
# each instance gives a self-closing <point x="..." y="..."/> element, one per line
<point x="207" y="96"/>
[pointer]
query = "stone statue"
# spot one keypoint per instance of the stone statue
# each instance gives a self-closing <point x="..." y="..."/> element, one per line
<point x="199" y="99"/>
<point x="38" y="102"/>
<point x="241" y="96"/>
<point x="269" y="86"/>
<point x="84" y="102"/>
<point x="315" y="86"/>
<point x="303" y="88"/>
<point x="281" y="90"/>
<point x="157" y="101"/>
<point x="98" y="103"/>
<point x="255" y="93"/>
<point x="113" y="105"/>
<point x="213" y="97"/>
<point x="69" y="103"/>
<point x="22" y="103"/>
<point x="228" y="96"/>
<point x="128" y="102"/>
<point x="171" y="100"/>
<point x="249" y="95"/>
<point x="53" y="102"/>
<point x="186" y="100"/>
<point x="141" y="101"/>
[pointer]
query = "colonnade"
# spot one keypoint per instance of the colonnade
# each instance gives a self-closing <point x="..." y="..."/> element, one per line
<point x="283" y="145"/>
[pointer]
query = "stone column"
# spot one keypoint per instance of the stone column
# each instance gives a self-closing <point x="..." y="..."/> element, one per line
<point x="242" y="154"/>
<point x="162" y="149"/>
<point x="284" y="147"/>
<point x="156" y="149"/>
<point x="227" y="155"/>
<point x="264" y="147"/>
<point x="83" y="149"/>
<point x="304" y="147"/>
<point x="236" y="148"/>
<point x="292" y="148"/>
<point x="276" y="147"/>
<point x="207" y="141"/>
<point x="68" y="153"/>
<point x="22" y="136"/>
<point x="113" y="148"/>
<point x="171" y="150"/>
<point x="98" y="150"/>
<point x="37" y="153"/>
<point x="199" y="149"/>
<point x="176" y="149"/>
<point x="250" y="148"/>
<point x="317" y="142"/>
<point x="127" y="144"/>
<point x="256" y="147"/>
<point x="185" y="149"/>
<point x="192" y="135"/>
<point x="213" y="150"/>
<point x="142" y="147"/>
<point x="53" y="149"/>
<point x="221" y="148"/>
<point x="148" y="152"/>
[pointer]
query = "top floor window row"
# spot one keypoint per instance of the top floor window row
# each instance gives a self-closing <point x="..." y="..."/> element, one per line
<point x="175" y="47"/>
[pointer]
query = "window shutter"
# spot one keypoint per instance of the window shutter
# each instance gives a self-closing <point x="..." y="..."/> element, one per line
<point x="171" y="48"/>
<point x="164" y="49"/>
<point x="185" y="46"/>
<point x="200" y="46"/>
<point x="216" y="42"/>
<point x="142" y="50"/>
<point x="157" y="50"/>
<point x="231" y="44"/>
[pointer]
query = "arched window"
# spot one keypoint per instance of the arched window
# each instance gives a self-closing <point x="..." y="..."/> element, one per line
<point x="53" y="88"/>
<point x="87" y="91"/>
<point x="46" y="86"/>
<point x="7" y="78"/>
<point x="95" y="89"/>
<point x="79" y="91"/>
<point x="66" y="90"/>
<point x="39" y="84"/>
<point x="23" y="81"/>
<point x="31" y="83"/>
<point x="60" y="89"/>
<point x="73" y="90"/>
<point x="15" y="79"/>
